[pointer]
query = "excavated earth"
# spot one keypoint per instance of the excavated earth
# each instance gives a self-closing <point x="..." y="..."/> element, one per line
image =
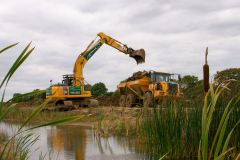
<point x="136" y="75"/>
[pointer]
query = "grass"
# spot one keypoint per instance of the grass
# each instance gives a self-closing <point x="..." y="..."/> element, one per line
<point x="3" y="137"/>
<point x="173" y="127"/>
<point x="106" y="121"/>
<point x="176" y="128"/>
<point x="217" y="148"/>
<point x="18" y="115"/>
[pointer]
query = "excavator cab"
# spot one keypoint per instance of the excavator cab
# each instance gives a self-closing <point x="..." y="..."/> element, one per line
<point x="67" y="80"/>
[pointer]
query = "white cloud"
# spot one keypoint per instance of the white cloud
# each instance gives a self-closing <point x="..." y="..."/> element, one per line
<point x="174" y="35"/>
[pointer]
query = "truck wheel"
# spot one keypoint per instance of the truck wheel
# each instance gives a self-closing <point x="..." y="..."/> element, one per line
<point x="122" y="101"/>
<point x="148" y="99"/>
<point x="130" y="100"/>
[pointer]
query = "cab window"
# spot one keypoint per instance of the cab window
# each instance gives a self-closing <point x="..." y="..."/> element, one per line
<point x="160" y="77"/>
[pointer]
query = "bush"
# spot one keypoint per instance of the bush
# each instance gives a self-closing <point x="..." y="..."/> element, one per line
<point x="99" y="89"/>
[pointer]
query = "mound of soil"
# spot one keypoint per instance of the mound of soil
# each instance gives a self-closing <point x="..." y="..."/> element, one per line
<point x="136" y="75"/>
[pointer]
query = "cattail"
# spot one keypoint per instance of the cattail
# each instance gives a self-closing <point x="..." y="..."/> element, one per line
<point x="206" y="73"/>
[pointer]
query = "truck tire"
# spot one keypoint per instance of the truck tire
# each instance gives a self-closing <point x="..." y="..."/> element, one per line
<point x="130" y="100"/>
<point x="122" y="101"/>
<point x="148" y="99"/>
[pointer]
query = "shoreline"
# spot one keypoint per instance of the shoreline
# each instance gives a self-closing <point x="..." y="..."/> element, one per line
<point x="107" y="120"/>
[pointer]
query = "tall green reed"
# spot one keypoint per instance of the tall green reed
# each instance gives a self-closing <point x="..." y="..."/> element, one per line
<point x="177" y="126"/>
<point x="217" y="148"/>
<point x="172" y="129"/>
<point x="22" y="139"/>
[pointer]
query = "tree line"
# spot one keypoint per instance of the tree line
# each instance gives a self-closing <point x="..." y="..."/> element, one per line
<point x="190" y="85"/>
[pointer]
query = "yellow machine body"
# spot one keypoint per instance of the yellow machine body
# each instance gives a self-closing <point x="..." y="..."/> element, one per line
<point x="61" y="92"/>
<point x="72" y="87"/>
<point x="150" y="86"/>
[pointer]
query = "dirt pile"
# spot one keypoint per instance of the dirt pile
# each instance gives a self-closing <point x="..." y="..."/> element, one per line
<point x="136" y="75"/>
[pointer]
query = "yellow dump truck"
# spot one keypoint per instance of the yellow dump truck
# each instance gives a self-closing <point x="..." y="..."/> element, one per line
<point x="146" y="86"/>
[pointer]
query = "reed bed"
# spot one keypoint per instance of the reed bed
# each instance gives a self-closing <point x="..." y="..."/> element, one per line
<point x="178" y="129"/>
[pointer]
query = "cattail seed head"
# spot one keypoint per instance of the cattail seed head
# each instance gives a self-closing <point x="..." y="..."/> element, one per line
<point x="206" y="77"/>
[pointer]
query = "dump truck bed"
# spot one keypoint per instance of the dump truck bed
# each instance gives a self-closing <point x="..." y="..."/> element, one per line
<point x="138" y="86"/>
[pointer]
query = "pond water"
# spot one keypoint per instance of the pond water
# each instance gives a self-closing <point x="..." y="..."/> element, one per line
<point x="70" y="142"/>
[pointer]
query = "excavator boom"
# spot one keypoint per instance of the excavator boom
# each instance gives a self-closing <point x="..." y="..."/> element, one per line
<point x="138" y="55"/>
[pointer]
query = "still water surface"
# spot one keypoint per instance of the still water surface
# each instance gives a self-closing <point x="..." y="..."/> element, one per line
<point x="70" y="142"/>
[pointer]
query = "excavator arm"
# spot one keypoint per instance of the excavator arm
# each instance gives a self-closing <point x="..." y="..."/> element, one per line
<point x="78" y="79"/>
<point x="138" y="55"/>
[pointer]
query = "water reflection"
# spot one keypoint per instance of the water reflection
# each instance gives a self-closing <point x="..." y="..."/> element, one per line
<point x="68" y="139"/>
<point x="76" y="142"/>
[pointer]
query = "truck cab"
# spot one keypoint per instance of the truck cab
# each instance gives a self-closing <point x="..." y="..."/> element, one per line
<point x="164" y="84"/>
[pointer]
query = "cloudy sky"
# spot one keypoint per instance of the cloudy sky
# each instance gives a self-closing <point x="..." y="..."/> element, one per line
<point x="174" y="35"/>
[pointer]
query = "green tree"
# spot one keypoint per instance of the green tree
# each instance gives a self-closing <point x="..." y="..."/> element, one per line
<point x="16" y="94"/>
<point x="189" y="81"/>
<point x="87" y="87"/>
<point x="192" y="87"/>
<point x="115" y="93"/>
<point x="229" y="74"/>
<point x="99" y="89"/>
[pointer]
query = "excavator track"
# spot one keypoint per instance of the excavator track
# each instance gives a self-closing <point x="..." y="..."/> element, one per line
<point x="68" y="105"/>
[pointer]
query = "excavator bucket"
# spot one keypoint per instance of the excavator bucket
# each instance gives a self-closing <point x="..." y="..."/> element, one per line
<point x="138" y="55"/>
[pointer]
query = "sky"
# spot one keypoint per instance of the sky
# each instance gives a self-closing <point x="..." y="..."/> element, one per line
<point x="174" y="35"/>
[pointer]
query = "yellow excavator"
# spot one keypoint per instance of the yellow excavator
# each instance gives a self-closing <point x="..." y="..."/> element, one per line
<point x="71" y="92"/>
